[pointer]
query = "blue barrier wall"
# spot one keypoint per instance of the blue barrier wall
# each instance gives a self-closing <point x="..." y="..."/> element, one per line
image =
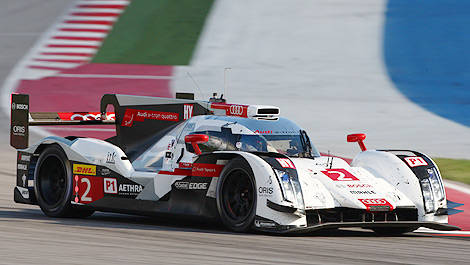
<point x="427" y="54"/>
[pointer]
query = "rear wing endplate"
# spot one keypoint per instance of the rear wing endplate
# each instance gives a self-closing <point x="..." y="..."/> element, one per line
<point x="21" y="119"/>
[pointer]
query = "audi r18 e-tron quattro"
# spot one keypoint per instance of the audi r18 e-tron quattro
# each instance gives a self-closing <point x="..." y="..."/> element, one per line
<point x="242" y="164"/>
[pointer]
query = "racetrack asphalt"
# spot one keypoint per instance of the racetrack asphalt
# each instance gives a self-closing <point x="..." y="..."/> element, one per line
<point x="28" y="237"/>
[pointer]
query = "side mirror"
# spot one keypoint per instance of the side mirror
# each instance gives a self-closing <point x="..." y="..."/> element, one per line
<point x="195" y="139"/>
<point x="359" y="138"/>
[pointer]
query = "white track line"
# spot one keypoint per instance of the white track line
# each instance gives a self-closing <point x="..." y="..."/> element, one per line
<point x="114" y="76"/>
<point x="80" y="50"/>
<point x="96" y="10"/>
<point x="53" y="64"/>
<point x="81" y="26"/>
<point x="81" y="34"/>
<point x="431" y="231"/>
<point x="61" y="57"/>
<point x="123" y="2"/>
<point x="82" y="18"/>
<point x="457" y="187"/>
<point x="73" y="42"/>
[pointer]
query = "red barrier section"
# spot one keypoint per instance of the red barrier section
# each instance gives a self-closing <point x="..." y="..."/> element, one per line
<point x="81" y="89"/>
<point x="461" y="219"/>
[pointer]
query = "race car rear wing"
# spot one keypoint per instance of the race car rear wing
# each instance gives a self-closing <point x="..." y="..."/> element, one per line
<point x="138" y="119"/>
<point x="21" y="119"/>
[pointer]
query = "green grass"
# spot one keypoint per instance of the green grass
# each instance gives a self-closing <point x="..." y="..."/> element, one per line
<point x="158" y="32"/>
<point x="454" y="169"/>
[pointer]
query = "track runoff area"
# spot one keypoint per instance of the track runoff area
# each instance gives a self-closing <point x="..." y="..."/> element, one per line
<point x="99" y="47"/>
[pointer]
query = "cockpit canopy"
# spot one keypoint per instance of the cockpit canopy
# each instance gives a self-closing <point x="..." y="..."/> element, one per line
<point x="227" y="134"/>
<point x="241" y="134"/>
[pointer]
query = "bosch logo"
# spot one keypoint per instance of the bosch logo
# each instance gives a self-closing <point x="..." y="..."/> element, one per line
<point x="236" y="110"/>
<point x="19" y="106"/>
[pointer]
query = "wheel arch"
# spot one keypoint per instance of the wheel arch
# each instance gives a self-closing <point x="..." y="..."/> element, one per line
<point x="390" y="166"/>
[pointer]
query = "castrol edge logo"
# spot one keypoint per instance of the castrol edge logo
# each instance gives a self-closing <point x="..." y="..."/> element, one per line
<point x="84" y="169"/>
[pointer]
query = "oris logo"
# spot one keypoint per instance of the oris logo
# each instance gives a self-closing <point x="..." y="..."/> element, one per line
<point x="236" y="110"/>
<point x="19" y="106"/>
<point x="267" y="191"/>
<point x="19" y="130"/>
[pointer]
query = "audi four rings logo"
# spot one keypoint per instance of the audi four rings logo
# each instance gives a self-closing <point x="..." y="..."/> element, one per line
<point x="90" y="116"/>
<point x="374" y="201"/>
<point x="236" y="110"/>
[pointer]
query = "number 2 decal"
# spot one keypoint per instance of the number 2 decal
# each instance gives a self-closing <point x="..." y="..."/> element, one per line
<point x="339" y="175"/>
<point x="88" y="187"/>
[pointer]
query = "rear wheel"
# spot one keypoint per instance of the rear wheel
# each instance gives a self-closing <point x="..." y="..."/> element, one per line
<point x="236" y="196"/>
<point x="53" y="184"/>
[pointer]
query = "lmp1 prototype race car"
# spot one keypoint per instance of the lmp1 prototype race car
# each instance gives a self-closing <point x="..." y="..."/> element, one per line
<point x="242" y="164"/>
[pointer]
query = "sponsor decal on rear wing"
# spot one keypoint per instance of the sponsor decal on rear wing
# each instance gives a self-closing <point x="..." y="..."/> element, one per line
<point x="22" y="118"/>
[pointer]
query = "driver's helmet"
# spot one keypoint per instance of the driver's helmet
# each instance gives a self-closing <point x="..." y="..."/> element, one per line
<point x="253" y="143"/>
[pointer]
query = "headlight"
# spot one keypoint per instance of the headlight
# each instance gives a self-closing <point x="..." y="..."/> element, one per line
<point x="436" y="184"/>
<point x="427" y="195"/>
<point x="291" y="190"/>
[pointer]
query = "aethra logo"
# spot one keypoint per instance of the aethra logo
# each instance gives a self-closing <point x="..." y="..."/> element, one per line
<point x="188" y="111"/>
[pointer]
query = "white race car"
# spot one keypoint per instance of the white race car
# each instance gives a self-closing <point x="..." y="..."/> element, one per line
<point x="242" y="164"/>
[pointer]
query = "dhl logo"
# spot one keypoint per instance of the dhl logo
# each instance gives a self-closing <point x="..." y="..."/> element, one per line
<point x="84" y="169"/>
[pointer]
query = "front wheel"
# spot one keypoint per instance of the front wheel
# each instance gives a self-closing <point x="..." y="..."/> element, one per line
<point x="236" y="196"/>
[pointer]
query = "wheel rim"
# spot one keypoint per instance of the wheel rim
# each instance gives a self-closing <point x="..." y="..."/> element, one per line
<point x="238" y="196"/>
<point x="52" y="180"/>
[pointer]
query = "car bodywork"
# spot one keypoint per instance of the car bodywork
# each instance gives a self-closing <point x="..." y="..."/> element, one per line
<point x="148" y="168"/>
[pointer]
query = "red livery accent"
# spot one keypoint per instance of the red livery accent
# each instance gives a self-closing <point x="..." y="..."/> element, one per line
<point x="185" y="165"/>
<point x="232" y="109"/>
<point x="415" y="161"/>
<point x="339" y="174"/>
<point x="132" y="115"/>
<point x="285" y="163"/>
<point x="177" y="172"/>
<point x="373" y="204"/>
<point x="207" y="170"/>
<point x="87" y="189"/>
<point x="85" y="116"/>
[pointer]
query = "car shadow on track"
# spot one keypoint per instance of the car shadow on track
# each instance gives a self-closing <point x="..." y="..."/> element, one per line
<point x="164" y="223"/>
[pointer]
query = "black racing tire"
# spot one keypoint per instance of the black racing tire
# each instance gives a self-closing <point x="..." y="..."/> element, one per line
<point x="392" y="231"/>
<point x="53" y="184"/>
<point x="236" y="196"/>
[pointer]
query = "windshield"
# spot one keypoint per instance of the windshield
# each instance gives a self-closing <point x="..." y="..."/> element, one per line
<point x="241" y="134"/>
